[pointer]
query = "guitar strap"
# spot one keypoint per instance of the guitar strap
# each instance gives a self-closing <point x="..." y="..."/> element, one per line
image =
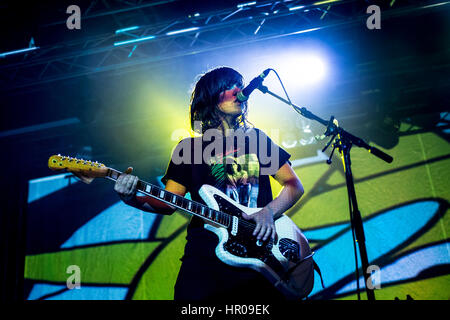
<point x="315" y="266"/>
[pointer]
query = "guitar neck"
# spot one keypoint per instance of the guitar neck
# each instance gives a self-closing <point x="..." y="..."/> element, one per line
<point x="186" y="205"/>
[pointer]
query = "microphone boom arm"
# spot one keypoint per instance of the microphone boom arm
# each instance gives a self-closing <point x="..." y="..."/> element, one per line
<point x="332" y="128"/>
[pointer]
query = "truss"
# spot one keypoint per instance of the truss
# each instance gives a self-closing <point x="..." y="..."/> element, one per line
<point x="133" y="40"/>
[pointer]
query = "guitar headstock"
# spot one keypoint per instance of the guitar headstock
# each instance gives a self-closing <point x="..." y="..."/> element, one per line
<point x="82" y="168"/>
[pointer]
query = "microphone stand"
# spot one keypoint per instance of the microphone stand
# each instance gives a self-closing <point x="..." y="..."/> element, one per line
<point x="344" y="141"/>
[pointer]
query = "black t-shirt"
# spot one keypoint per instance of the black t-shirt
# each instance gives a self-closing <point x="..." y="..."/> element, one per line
<point x="239" y="165"/>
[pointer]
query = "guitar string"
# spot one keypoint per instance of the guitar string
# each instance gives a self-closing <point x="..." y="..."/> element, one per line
<point x="178" y="197"/>
<point x="242" y="222"/>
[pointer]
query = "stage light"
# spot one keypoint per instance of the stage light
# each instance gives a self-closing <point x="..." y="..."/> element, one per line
<point x="4" y="54"/>
<point x="296" y="8"/>
<point x="127" y="29"/>
<point x="242" y="5"/>
<point x="436" y="4"/>
<point x="181" y="31"/>
<point x="259" y="27"/>
<point x="306" y="30"/>
<point x="132" y="50"/>
<point x="120" y="43"/>
<point x="324" y="2"/>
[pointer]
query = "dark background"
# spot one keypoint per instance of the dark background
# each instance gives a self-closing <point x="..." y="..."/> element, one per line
<point x="396" y="74"/>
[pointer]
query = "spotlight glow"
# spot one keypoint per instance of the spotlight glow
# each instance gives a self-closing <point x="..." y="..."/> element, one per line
<point x="303" y="70"/>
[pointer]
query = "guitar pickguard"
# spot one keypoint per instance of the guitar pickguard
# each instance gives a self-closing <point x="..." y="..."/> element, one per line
<point x="226" y="206"/>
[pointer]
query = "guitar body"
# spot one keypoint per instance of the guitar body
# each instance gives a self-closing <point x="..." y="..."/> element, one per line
<point x="238" y="247"/>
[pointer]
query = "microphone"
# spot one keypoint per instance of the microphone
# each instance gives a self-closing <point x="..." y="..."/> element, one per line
<point x="254" y="84"/>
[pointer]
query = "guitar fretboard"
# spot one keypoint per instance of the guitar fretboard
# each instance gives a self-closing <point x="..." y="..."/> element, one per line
<point x="189" y="206"/>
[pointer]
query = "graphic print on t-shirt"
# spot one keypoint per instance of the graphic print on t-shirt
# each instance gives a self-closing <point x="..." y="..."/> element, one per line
<point x="237" y="177"/>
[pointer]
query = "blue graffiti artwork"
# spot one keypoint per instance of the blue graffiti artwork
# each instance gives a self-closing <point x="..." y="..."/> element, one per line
<point x="388" y="234"/>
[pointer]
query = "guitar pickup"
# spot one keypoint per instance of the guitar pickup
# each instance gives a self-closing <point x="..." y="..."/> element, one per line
<point x="234" y="226"/>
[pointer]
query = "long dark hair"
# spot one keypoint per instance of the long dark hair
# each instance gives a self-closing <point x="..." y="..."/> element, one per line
<point x="205" y="98"/>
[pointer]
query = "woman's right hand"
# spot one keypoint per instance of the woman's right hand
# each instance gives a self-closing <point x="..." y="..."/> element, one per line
<point x="126" y="186"/>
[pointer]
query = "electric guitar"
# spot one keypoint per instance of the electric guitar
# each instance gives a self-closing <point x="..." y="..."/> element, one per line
<point x="286" y="263"/>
